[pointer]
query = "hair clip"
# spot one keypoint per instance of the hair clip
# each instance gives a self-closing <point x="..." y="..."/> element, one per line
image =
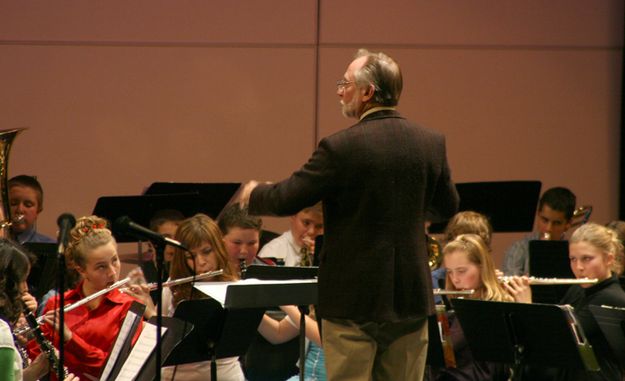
<point x="94" y="226"/>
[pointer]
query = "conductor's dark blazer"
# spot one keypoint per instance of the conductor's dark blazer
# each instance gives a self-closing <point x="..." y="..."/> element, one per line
<point x="377" y="179"/>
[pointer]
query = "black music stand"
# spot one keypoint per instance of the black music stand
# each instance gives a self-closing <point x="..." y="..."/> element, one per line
<point x="281" y="272"/>
<point x="549" y="259"/>
<point x="213" y="197"/>
<point x="141" y="209"/>
<point x="286" y="273"/>
<point x="611" y="321"/>
<point x="524" y="334"/>
<point x="219" y="332"/>
<point x="43" y="274"/>
<point x="509" y="205"/>
<point x="435" y="357"/>
<point x="225" y="330"/>
<point x="253" y="295"/>
<point x="176" y="330"/>
<point x="123" y="342"/>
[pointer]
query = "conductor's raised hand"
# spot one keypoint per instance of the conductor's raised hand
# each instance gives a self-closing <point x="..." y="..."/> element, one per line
<point x="245" y="192"/>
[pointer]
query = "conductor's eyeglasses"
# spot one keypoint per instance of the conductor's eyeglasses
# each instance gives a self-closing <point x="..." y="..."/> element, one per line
<point x="341" y="84"/>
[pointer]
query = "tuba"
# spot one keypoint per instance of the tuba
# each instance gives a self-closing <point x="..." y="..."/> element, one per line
<point x="6" y="139"/>
<point x="434" y="252"/>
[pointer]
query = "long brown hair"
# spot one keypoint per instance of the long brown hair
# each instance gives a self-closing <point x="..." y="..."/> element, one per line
<point x="14" y="267"/>
<point x="477" y="253"/>
<point x="191" y="233"/>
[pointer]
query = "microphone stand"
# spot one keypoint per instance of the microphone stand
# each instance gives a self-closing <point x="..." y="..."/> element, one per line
<point x="160" y="262"/>
<point x="61" y="291"/>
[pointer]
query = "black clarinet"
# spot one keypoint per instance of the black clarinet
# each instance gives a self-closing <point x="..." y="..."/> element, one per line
<point x="242" y="267"/>
<point x="45" y="344"/>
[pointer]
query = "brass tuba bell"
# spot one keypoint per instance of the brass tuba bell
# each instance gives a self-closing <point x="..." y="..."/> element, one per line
<point x="6" y="139"/>
<point x="434" y="252"/>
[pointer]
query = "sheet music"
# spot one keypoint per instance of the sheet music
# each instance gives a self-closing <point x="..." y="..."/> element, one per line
<point x="140" y="353"/>
<point x="122" y="336"/>
<point x="217" y="290"/>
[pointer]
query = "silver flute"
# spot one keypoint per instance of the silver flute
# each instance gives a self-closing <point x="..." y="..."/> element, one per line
<point x="534" y="281"/>
<point x="440" y="291"/>
<point x="192" y="278"/>
<point x="120" y="284"/>
<point x="69" y="307"/>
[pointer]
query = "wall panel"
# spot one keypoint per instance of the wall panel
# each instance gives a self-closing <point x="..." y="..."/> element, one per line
<point x="120" y="94"/>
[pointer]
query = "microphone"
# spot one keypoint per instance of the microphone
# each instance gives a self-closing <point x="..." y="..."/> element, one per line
<point x="66" y="222"/>
<point x="125" y="224"/>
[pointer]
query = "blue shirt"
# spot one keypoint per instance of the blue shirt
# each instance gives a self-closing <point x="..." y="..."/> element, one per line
<point x="31" y="235"/>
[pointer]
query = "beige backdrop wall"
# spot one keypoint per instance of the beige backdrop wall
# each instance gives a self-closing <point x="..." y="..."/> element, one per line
<point x="117" y="94"/>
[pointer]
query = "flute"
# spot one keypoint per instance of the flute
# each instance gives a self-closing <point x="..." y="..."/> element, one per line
<point x="440" y="291"/>
<point x="121" y="283"/>
<point x="85" y="300"/>
<point x="552" y="281"/>
<point x="192" y="278"/>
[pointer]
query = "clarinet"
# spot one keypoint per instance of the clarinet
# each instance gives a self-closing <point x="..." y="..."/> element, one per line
<point x="45" y="344"/>
<point x="242" y="267"/>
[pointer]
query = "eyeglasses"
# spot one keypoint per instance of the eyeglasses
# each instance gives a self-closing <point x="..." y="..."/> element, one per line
<point x="341" y="84"/>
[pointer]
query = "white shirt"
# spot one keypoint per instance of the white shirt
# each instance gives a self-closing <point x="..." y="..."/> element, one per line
<point x="6" y="341"/>
<point x="283" y="247"/>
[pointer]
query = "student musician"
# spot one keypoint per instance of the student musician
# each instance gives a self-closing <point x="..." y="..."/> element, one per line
<point x="14" y="297"/>
<point x="466" y="222"/>
<point x="277" y="332"/>
<point x="619" y="267"/>
<point x="164" y="222"/>
<point x="296" y="246"/>
<point x="91" y="329"/>
<point x="594" y="252"/>
<point x="241" y="234"/>
<point x="553" y="218"/>
<point x="470" y="267"/>
<point x="202" y="237"/>
<point x="26" y="203"/>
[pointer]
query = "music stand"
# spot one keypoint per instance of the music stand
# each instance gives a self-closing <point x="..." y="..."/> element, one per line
<point x="549" y="259"/>
<point x="286" y="273"/>
<point x="219" y="332"/>
<point x="524" y="334"/>
<point x="259" y="294"/>
<point x="213" y="197"/>
<point x="139" y="363"/>
<point x="611" y="321"/>
<point x="509" y="205"/>
<point x="435" y="357"/>
<point x="42" y="276"/>
<point x="141" y="209"/>
<point x="281" y="272"/>
<point x="177" y="331"/>
<point x="123" y="342"/>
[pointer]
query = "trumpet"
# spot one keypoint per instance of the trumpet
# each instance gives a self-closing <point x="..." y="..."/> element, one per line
<point x="552" y="281"/>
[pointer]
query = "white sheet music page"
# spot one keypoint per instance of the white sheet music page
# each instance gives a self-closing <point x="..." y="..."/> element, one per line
<point x="217" y="290"/>
<point x="140" y="353"/>
<point x="122" y="336"/>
